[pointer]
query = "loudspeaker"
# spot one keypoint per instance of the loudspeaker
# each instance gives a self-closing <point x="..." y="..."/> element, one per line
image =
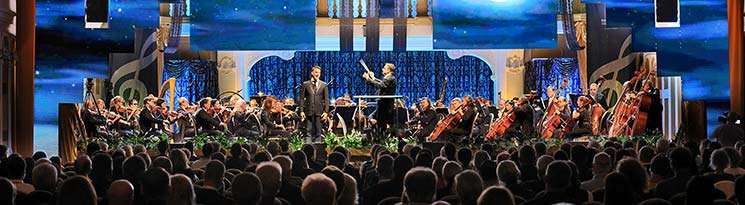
<point x="667" y="13"/>
<point x="96" y="13"/>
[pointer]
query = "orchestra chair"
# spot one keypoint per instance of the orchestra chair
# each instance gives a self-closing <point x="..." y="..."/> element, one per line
<point x="474" y="126"/>
<point x="727" y="187"/>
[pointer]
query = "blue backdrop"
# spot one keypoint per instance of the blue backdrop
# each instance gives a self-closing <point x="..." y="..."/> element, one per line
<point x="419" y="74"/>
<point x="195" y="79"/>
<point x="552" y="71"/>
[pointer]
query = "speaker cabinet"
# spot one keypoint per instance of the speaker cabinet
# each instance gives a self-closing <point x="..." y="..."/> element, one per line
<point x="97" y="14"/>
<point x="694" y="120"/>
<point x="667" y="13"/>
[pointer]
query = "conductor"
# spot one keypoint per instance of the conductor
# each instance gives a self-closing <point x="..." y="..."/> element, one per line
<point x="384" y="115"/>
<point x="314" y="104"/>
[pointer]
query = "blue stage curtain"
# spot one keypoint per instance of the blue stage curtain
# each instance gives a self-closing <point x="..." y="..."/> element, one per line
<point x="419" y="74"/>
<point x="195" y="79"/>
<point x="542" y="72"/>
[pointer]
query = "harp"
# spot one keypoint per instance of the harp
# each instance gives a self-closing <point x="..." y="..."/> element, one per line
<point x="170" y="86"/>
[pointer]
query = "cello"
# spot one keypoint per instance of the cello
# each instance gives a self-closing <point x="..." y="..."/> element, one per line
<point x="450" y="121"/>
<point x="497" y="128"/>
<point x="597" y="112"/>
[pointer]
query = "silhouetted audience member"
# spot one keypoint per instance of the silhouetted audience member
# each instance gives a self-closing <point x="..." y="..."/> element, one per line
<point x="701" y="191"/>
<point x="719" y="162"/>
<point x="557" y="182"/>
<point x="468" y="187"/>
<point x="15" y="170"/>
<point x="270" y="174"/>
<point x="76" y="190"/>
<point x="618" y="190"/>
<point x="155" y="186"/>
<point x="247" y="189"/>
<point x="496" y="195"/>
<point x="211" y="192"/>
<point x="164" y="163"/>
<point x="420" y="186"/>
<point x="181" y="190"/>
<point x="319" y="189"/>
<point x="601" y="166"/>
<point x="7" y="191"/>
<point x="681" y="161"/>
<point x="120" y="192"/>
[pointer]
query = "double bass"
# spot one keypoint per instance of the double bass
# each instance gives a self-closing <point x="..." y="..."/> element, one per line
<point x="450" y="121"/>
<point x="597" y="112"/>
<point x="630" y="114"/>
<point x="551" y="121"/>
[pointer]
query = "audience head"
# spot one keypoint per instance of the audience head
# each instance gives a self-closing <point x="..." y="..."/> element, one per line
<point x="556" y="176"/>
<point x="155" y="184"/>
<point x="181" y="190"/>
<point x="163" y="147"/>
<point x="285" y="163"/>
<point x="449" y="171"/>
<point x="424" y="158"/>
<point x="44" y="177"/>
<point x="270" y="174"/>
<point x="448" y="151"/>
<point x="7" y="191"/>
<point x="39" y="155"/>
<point x="246" y="188"/>
<point x="213" y="174"/>
<point x="15" y="167"/>
<point x="349" y="194"/>
<point x="273" y="148"/>
<point x="401" y="165"/>
<point x="133" y="169"/>
<point x="207" y="150"/>
<point x="121" y="192"/>
<point x="464" y="156"/>
<point x="164" y="163"/>
<point x="601" y="164"/>
<point x="299" y="160"/>
<point x="385" y="166"/>
<point x="83" y="165"/>
<point x="139" y="149"/>
<point x="336" y="175"/>
<point x="680" y="159"/>
<point x="540" y="149"/>
<point x="661" y="166"/>
<point x="76" y="190"/>
<point x="337" y="159"/>
<point x="618" y="190"/>
<point x="468" y="186"/>
<point x="480" y="157"/>
<point x="635" y="173"/>
<point x="542" y="165"/>
<point x="92" y="148"/>
<point x="420" y="185"/>
<point x="719" y="160"/>
<point x="701" y="191"/>
<point x="507" y="172"/>
<point x="318" y="189"/>
<point x="496" y="195"/>
<point x="662" y="145"/>
<point x="646" y="154"/>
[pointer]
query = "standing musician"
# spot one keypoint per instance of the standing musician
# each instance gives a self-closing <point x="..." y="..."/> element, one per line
<point x="384" y="115"/>
<point x="206" y="121"/>
<point x="269" y="118"/>
<point x="425" y="120"/>
<point x="245" y="122"/>
<point x="314" y="99"/>
<point x="465" y="125"/>
<point x="582" y="118"/>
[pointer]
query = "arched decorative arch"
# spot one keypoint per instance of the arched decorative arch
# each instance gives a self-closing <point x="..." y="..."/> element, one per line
<point x="419" y="73"/>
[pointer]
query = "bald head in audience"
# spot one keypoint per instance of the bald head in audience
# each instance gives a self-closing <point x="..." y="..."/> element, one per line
<point x="121" y="192"/>
<point x="44" y="177"/>
<point x="213" y="175"/>
<point x="420" y="185"/>
<point x="318" y="189"/>
<point x="270" y="174"/>
<point x="285" y="163"/>
<point x="247" y="188"/>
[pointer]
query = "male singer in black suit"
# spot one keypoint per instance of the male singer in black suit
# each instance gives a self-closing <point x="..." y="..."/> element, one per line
<point x="384" y="115"/>
<point x="314" y="99"/>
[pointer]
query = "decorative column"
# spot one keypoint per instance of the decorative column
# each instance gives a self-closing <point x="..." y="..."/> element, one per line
<point x="23" y="129"/>
<point x="735" y="25"/>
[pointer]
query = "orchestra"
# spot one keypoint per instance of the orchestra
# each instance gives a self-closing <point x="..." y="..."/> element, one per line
<point x="465" y="119"/>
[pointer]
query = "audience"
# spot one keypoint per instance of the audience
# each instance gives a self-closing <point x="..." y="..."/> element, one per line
<point x="319" y="189"/>
<point x="628" y="172"/>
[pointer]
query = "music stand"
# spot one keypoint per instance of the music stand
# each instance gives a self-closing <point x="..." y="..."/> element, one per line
<point x="259" y="98"/>
<point x="394" y="126"/>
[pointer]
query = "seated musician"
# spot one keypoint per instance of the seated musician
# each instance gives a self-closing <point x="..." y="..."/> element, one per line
<point x="564" y="112"/>
<point x="464" y="126"/>
<point x="581" y="117"/>
<point x="166" y="116"/>
<point x="287" y="117"/>
<point x="523" y="125"/>
<point x="425" y="120"/>
<point x="222" y="114"/>
<point x="149" y="120"/>
<point x="185" y="123"/>
<point x="205" y="120"/>
<point x="348" y="100"/>
<point x="269" y="118"/>
<point x="483" y="120"/>
<point x="454" y="105"/>
<point x="94" y="120"/>
<point x="122" y="127"/>
<point x="253" y="104"/>
<point x="245" y="122"/>
<point x="597" y="96"/>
